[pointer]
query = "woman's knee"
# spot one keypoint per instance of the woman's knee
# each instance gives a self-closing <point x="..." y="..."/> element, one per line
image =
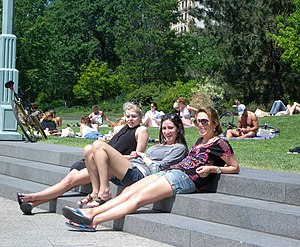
<point x="99" y="144"/>
<point x="70" y="179"/>
<point x="87" y="150"/>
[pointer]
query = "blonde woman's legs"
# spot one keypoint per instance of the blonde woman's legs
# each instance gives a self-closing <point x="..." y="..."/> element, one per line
<point x="72" y="179"/>
<point x="92" y="169"/>
<point x="109" y="162"/>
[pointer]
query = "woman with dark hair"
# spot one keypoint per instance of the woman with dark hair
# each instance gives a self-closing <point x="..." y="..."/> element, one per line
<point x="107" y="164"/>
<point x="209" y="156"/>
<point x="152" y="117"/>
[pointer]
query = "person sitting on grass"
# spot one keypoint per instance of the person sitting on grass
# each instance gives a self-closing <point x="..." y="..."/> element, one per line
<point x="132" y="137"/>
<point x="97" y="117"/>
<point x="152" y="117"/>
<point x="247" y="125"/>
<point x="49" y="125"/>
<point x="210" y="155"/>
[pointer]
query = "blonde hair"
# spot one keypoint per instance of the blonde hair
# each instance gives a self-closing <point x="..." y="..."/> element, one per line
<point x="133" y="106"/>
<point x="48" y="116"/>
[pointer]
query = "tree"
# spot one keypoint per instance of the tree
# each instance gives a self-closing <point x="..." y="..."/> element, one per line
<point x="96" y="83"/>
<point x="289" y="36"/>
<point x="148" y="49"/>
<point x="252" y="66"/>
<point x="58" y="38"/>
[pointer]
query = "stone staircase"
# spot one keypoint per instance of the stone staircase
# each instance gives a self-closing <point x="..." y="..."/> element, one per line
<point x="253" y="208"/>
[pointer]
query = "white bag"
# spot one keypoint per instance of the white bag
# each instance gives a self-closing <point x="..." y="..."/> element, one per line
<point x="67" y="132"/>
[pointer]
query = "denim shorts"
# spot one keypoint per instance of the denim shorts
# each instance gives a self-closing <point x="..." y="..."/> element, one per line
<point x="132" y="175"/>
<point x="179" y="181"/>
<point x="94" y="135"/>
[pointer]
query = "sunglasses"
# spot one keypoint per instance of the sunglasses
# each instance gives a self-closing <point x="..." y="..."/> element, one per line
<point x="204" y="122"/>
<point x="169" y="116"/>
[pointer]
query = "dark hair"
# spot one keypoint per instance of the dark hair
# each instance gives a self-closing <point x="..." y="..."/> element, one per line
<point x="178" y="123"/>
<point x="182" y="99"/>
<point x="155" y="105"/>
<point x="213" y="118"/>
<point x="85" y="120"/>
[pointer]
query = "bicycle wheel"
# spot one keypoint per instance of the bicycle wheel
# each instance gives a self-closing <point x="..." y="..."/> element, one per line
<point x="22" y="121"/>
<point x="37" y="124"/>
<point x="226" y="120"/>
<point x="272" y="129"/>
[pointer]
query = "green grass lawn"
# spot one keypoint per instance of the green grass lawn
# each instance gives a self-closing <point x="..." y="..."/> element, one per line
<point x="268" y="154"/>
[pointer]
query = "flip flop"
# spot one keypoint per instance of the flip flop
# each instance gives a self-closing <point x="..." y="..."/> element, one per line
<point x="81" y="227"/>
<point x="75" y="215"/>
<point x="26" y="208"/>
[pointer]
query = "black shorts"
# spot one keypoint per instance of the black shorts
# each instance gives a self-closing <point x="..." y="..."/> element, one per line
<point x="132" y="175"/>
<point x="79" y="165"/>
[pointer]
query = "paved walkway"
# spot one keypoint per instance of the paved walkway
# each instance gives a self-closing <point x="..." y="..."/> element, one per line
<point x="44" y="229"/>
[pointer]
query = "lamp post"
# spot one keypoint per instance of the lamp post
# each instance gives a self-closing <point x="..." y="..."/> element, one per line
<point x="8" y="124"/>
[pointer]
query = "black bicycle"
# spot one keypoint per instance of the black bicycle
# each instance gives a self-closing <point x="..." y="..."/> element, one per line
<point x="27" y="119"/>
<point x="226" y="117"/>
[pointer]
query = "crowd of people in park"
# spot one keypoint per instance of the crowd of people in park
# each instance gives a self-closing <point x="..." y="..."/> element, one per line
<point x="147" y="175"/>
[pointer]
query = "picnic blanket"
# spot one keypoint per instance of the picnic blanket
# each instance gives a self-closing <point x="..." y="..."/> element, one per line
<point x="254" y="138"/>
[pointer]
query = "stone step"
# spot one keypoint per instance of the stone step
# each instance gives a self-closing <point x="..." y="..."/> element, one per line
<point x="189" y="232"/>
<point x="9" y="186"/>
<point x="33" y="171"/>
<point x="262" y="184"/>
<point x="237" y="211"/>
<point x="177" y="230"/>
<point x="41" y="152"/>
<point x="274" y="186"/>
<point x="241" y="212"/>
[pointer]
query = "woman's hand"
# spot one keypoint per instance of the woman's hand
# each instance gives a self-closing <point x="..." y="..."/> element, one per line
<point x="203" y="171"/>
<point x="135" y="154"/>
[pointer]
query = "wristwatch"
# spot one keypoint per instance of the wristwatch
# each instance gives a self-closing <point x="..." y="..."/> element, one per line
<point x="218" y="170"/>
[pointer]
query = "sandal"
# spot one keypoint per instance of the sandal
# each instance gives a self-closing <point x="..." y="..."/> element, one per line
<point x="21" y="198"/>
<point x="97" y="201"/>
<point x="106" y="196"/>
<point x="85" y="200"/>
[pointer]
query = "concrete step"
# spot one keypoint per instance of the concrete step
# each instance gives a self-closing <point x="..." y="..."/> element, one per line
<point x="10" y="186"/>
<point x="189" y="232"/>
<point x="253" y="183"/>
<point x="262" y="184"/>
<point x="177" y="230"/>
<point x="41" y="152"/>
<point x="33" y="171"/>
<point x="237" y="211"/>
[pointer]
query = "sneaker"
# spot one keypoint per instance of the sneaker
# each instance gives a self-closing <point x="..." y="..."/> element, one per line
<point x="295" y="150"/>
<point x="69" y="125"/>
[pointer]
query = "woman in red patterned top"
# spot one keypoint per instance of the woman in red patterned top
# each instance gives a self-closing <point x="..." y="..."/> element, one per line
<point x="209" y="156"/>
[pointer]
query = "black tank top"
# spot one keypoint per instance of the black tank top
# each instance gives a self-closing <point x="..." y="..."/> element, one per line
<point x="124" y="141"/>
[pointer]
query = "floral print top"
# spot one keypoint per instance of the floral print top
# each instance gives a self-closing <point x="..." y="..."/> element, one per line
<point x="204" y="155"/>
